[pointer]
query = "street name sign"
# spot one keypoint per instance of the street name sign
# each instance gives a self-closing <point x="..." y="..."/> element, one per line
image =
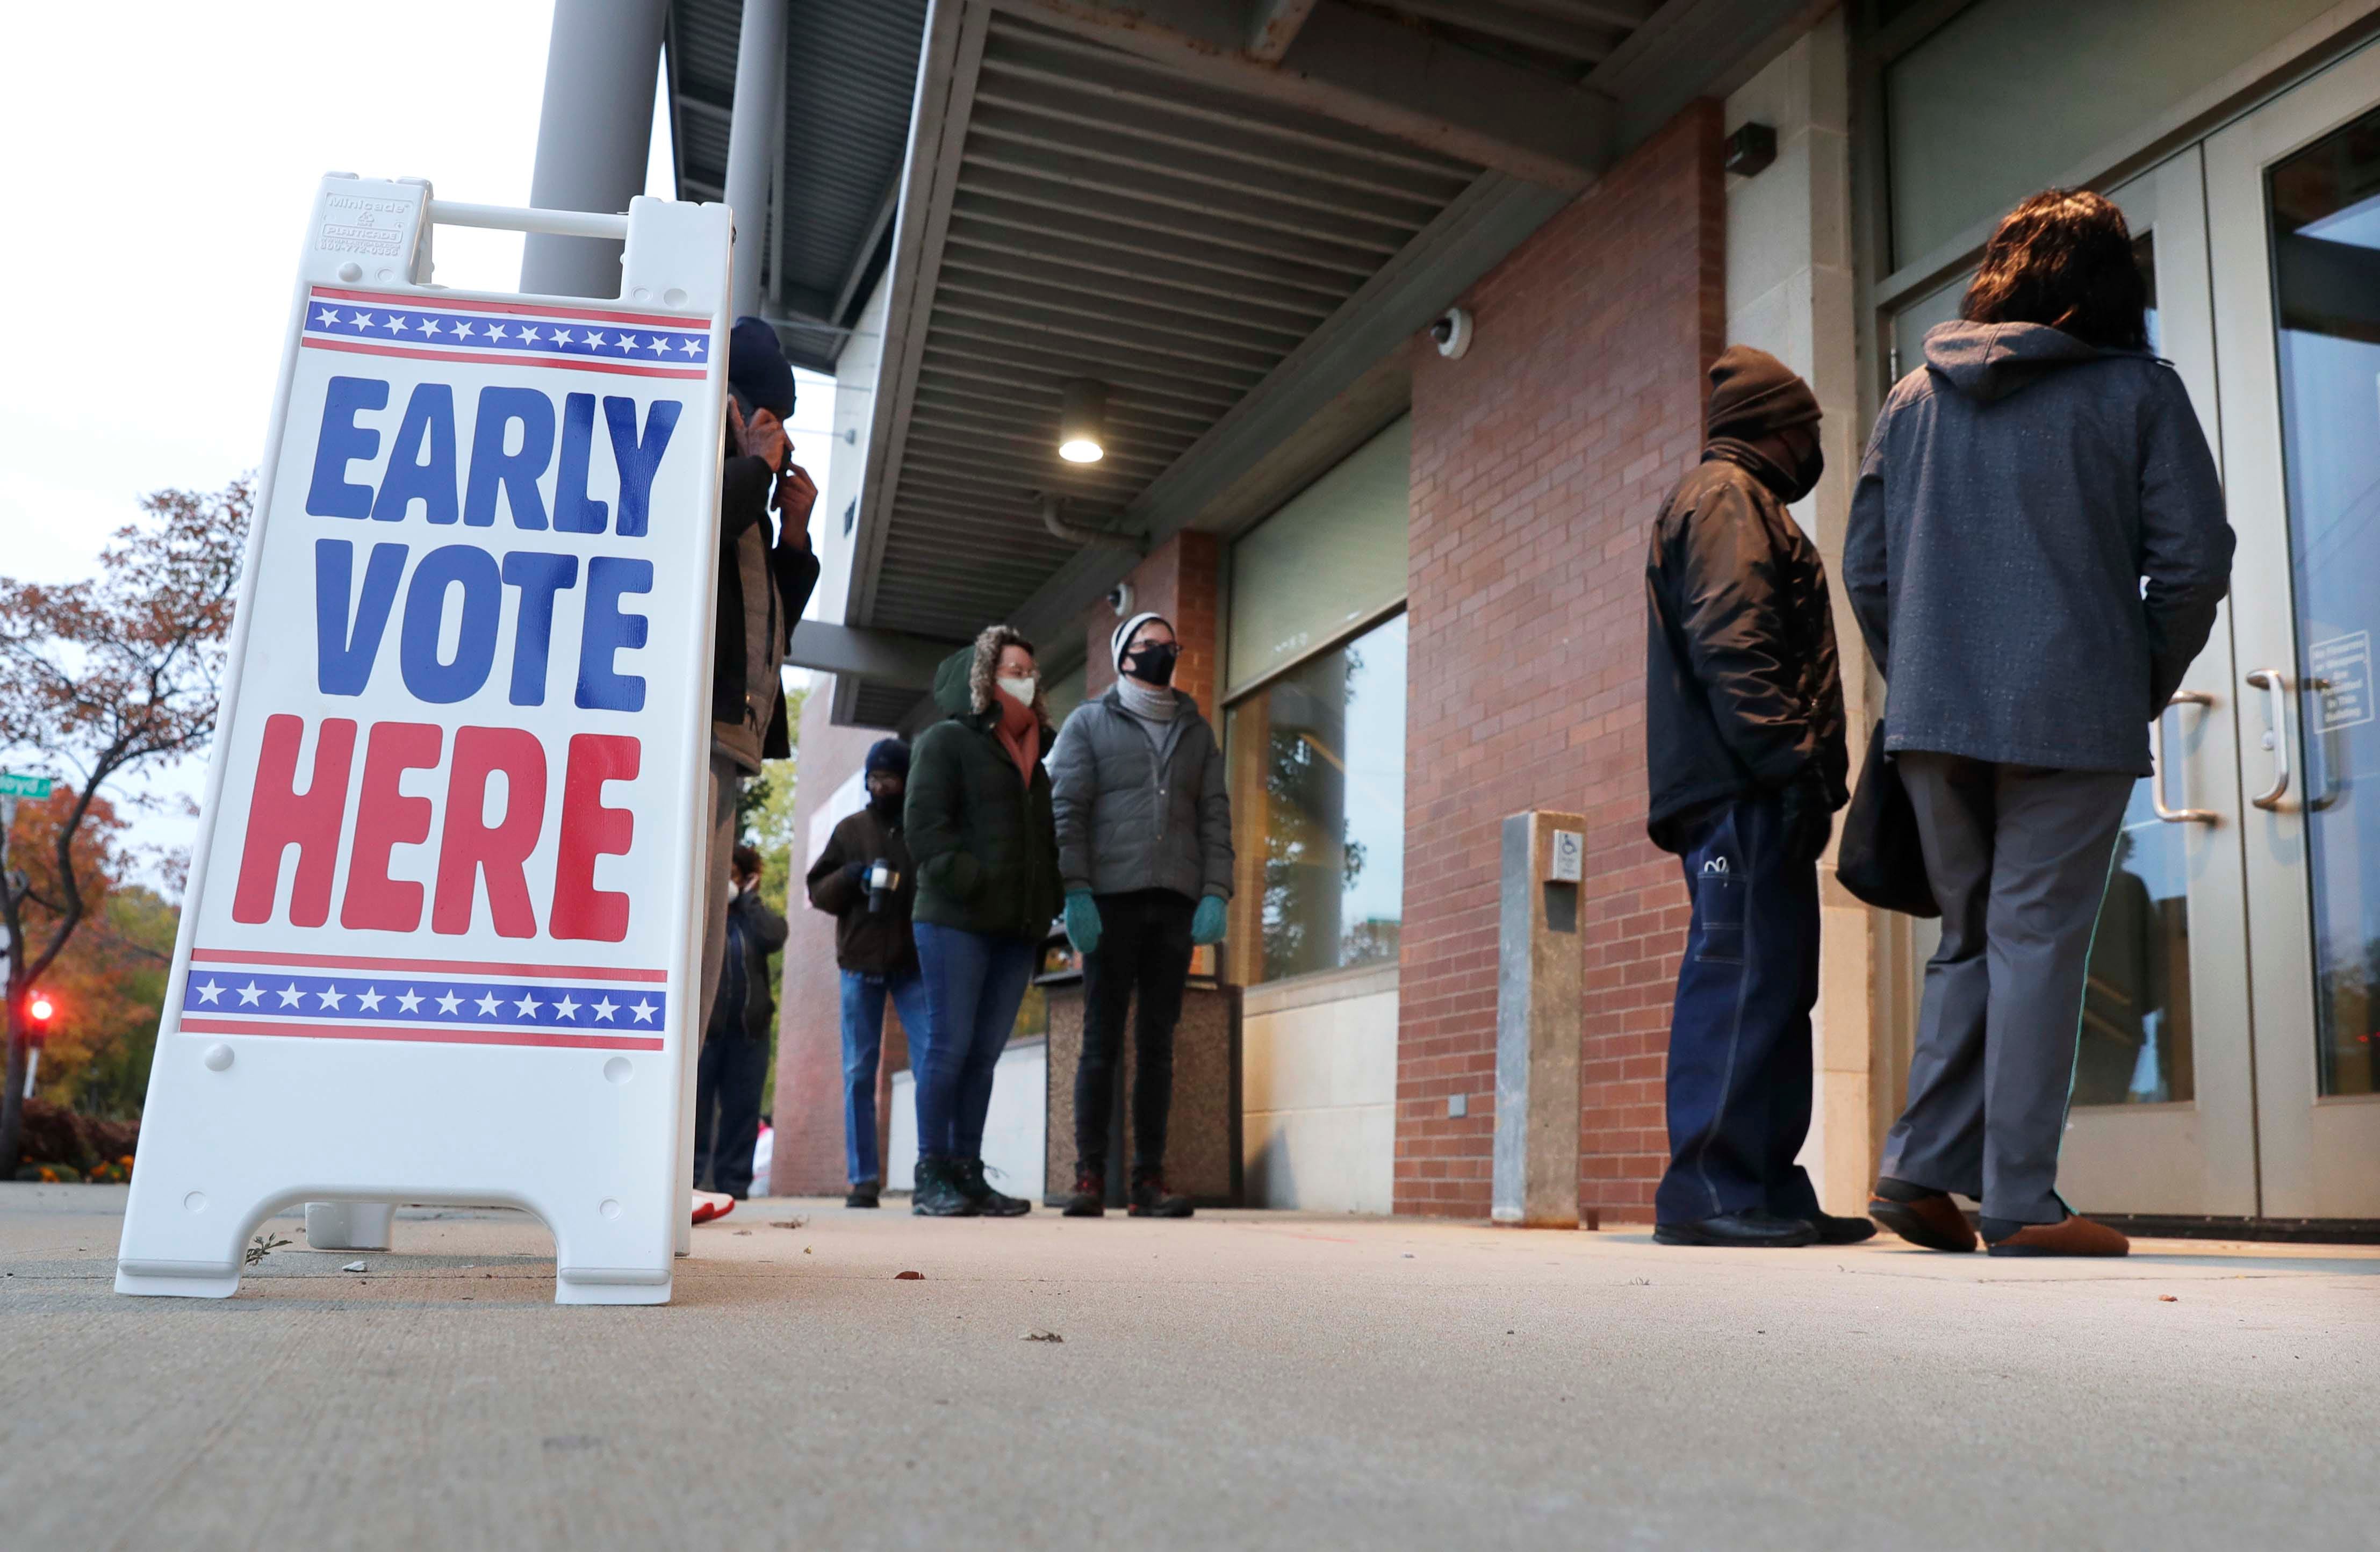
<point x="15" y="785"/>
<point x="441" y="942"/>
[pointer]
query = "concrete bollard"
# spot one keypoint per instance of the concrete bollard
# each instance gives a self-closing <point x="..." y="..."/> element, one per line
<point x="1539" y="1021"/>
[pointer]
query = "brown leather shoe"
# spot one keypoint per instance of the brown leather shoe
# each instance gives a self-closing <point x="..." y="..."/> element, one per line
<point x="2076" y="1236"/>
<point x="1932" y="1222"/>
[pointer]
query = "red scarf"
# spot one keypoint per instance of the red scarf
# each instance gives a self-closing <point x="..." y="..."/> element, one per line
<point x="1020" y="732"/>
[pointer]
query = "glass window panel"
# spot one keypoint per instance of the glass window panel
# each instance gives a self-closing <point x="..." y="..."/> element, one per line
<point x="1333" y="556"/>
<point x="2325" y="205"/>
<point x="2012" y="95"/>
<point x="2136" y="1046"/>
<point x="1318" y="801"/>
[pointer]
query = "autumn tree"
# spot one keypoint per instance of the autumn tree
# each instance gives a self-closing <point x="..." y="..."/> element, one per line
<point x="98" y="680"/>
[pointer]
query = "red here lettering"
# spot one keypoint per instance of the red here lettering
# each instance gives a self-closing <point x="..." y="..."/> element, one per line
<point x="590" y="830"/>
<point x="279" y="817"/>
<point x="385" y="820"/>
<point x="471" y="849"/>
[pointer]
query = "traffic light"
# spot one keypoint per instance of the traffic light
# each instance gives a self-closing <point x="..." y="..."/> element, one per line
<point x="40" y="1009"/>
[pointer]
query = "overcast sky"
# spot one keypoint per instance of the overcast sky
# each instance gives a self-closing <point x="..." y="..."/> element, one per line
<point x="163" y="158"/>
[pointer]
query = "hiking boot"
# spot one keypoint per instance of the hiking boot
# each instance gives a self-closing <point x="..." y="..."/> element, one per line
<point x="1150" y="1200"/>
<point x="1090" y="1197"/>
<point x="938" y="1194"/>
<point x="968" y="1174"/>
<point x="865" y="1194"/>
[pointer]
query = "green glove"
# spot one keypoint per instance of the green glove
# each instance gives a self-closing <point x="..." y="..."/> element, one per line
<point x="1207" y="927"/>
<point x="1083" y="921"/>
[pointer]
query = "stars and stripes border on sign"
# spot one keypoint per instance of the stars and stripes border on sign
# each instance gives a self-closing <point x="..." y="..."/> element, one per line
<point x="581" y="339"/>
<point x="438" y="1001"/>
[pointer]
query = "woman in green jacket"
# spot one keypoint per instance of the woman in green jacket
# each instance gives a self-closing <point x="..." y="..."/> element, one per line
<point x="986" y="849"/>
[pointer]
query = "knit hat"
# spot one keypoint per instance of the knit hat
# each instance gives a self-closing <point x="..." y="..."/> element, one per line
<point x="1129" y="628"/>
<point x="1753" y="393"/>
<point x="757" y="368"/>
<point x="887" y="754"/>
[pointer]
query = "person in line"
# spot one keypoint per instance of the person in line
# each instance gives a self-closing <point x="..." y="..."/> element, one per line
<point x="765" y="577"/>
<point x="865" y="879"/>
<point x="1145" y="851"/>
<point x="979" y="828"/>
<point x="734" y="1057"/>
<point x="2037" y="549"/>
<point x="1745" y="761"/>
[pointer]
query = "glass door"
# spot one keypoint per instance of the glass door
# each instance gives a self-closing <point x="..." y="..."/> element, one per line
<point x="2162" y="1118"/>
<point x="2293" y="200"/>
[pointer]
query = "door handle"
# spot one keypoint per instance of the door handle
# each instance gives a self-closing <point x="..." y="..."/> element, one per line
<point x="2276" y="735"/>
<point x="2157" y="771"/>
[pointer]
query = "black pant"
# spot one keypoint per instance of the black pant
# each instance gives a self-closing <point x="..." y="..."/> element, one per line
<point x="728" y="1074"/>
<point x="1143" y="945"/>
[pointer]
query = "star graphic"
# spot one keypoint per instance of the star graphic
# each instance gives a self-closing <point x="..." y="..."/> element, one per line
<point x="528" y="336"/>
<point x="605" y="1009"/>
<point x="495" y="331"/>
<point x="393" y="324"/>
<point x="332" y="997"/>
<point x="688" y="346"/>
<point x="696" y="342"/>
<point x="562" y="336"/>
<point x="249" y="993"/>
<point x="528" y="1005"/>
<point x="289" y="995"/>
<point x="626" y="342"/>
<point x="411" y="1001"/>
<point x="326" y="317"/>
<point x="449" y="1002"/>
<point x="487" y="1004"/>
<point x="210" y="992"/>
<point x="567" y="1007"/>
<point x="427" y="326"/>
<point x="361" y="321"/>
<point x="369" y="1002"/>
<point x="463" y="329"/>
<point x="594" y="340"/>
<point x="644" y="1010"/>
<point x="657" y="345"/>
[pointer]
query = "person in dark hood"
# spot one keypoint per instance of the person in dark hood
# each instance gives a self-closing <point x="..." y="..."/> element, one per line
<point x="2038" y="549"/>
<point x="734" y="1059"/>
<point x="1144" y="848"/>
<point x="979" y="827"/>
<point x="865" y="879"/>
<point x="765" y="573"/>
<point x="1745" y="763"/>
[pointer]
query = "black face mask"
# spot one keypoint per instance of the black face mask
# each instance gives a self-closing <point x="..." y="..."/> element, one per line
<point x="1152" y="664"/>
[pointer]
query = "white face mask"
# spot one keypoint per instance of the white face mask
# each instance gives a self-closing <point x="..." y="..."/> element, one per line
<point x="1021" y="690"/>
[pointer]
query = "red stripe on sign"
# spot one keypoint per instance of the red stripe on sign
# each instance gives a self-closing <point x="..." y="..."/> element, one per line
<point x="427" y="1036"/>
<point x="575" y="363"/>
<point x="427" y="966"/>
<point x="414" y="301"/>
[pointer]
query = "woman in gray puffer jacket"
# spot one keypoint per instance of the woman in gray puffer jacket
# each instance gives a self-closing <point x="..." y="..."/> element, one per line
<point x="1145" y="849"/>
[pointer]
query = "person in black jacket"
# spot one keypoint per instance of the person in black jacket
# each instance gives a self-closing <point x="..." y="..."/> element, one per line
<point x="865" y="879"/>
<point x="736" y="1046"/>
<point x="1745" y="761"/>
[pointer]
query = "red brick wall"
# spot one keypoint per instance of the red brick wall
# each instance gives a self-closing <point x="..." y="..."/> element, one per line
<point x="808" y="1113"/>
<point x="1178" y="580"/>
<point x="1538" y="459"/>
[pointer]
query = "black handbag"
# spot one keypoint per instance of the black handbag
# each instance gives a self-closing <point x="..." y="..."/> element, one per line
<point x="1880" y="860"/>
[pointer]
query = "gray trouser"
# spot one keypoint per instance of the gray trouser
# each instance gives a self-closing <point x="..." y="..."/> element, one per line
<point x="2018" y="855"/>
<point x="726" y="784"/>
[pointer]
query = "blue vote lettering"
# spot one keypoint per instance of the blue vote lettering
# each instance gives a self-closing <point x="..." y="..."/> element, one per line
<point x="540" y="579"/>
<point x="638" y="458"/>
<point x="606" y="631"/>
<point x="449" y="566"/>
<point x="343" y="442"/>
<point x="428" y="427"/>
<point x="344" y="654"/>
<point x="515" y="472"/>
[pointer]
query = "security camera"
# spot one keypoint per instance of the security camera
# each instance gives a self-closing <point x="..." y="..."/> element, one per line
<point x="1119" y="600"/>
<point x="1453" y="333"/>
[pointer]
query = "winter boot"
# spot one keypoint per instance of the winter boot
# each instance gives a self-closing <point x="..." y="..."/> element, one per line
<point x="865" y="1194"/>
<point x="967" y="1173"/>
<point x="938" y="1194"/>
<point x="1150" y="1200"/>
<point x="1090" y="1197"/>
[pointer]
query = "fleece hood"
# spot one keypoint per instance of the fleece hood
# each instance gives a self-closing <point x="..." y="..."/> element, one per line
<point x="1989" y="362"/>
<point x="951" y="687"/>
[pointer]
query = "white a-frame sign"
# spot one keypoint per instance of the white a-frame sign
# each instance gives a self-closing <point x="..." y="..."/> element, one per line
<point x="441" y="942"/>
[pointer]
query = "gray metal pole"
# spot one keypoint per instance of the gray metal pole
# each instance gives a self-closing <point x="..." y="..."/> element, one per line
<point x="594" y="135"/>
<point x="754" y="125"/>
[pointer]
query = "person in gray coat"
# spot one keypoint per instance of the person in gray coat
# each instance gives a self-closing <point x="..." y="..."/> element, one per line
<point x="1144" y="850"/>
<point x="2036" y="552"/>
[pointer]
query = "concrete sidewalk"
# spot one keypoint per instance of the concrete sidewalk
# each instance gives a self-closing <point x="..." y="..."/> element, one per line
<point x="1243" y="1381"/>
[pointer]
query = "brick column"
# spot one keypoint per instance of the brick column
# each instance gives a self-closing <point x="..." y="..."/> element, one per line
<point x="1539" y="459"/>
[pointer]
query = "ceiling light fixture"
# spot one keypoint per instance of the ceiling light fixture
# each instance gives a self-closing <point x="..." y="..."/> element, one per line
<point x="1083" y="422"/>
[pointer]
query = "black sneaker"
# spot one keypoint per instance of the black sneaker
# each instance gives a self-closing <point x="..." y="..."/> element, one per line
<point x="1150" y="1200"/>
<point x="938" y="1194"/>
<point x="968" y="1174"/>
<point x="1090" y="1197"/>
<point x="865" y="1194"/>
<point x="1833" y="1231"/>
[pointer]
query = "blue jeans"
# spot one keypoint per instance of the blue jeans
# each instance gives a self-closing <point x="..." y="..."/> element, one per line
<point x="863" y="1042"/>
<point x="973" y="984"/>
<point x="1738" y="1078"/>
